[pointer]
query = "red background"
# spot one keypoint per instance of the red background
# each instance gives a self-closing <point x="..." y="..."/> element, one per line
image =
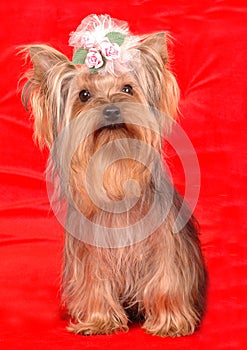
<point x="210" y="64"/>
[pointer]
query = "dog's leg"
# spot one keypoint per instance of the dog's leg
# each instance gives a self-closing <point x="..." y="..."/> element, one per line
<point x="91" y="296"/>
<point x="174" y="294"/>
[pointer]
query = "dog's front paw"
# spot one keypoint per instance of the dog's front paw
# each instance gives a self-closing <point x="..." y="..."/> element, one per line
<point x="97" y="326"/>
<point x="168" y="327"/>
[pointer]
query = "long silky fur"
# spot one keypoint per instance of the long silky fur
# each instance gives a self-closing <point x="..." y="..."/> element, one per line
<point x="161" y="278"/>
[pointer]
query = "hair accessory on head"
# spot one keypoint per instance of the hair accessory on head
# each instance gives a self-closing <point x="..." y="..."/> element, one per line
<point x="104" y="44"/>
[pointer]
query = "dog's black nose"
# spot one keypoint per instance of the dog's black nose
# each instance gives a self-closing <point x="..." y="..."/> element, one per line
<point x="111" y="113"/>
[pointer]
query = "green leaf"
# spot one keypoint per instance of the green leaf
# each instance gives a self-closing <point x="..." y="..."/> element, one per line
<point x="94" y="70"/>
<point x="80" y="56"/>
<point x="116" y="37"/>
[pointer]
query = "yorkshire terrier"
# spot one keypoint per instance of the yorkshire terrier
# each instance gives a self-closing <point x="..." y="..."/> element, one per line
<point x="104" y="116"/>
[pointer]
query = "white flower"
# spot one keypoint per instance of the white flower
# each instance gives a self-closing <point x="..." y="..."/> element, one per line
<point x="88" y="40"/>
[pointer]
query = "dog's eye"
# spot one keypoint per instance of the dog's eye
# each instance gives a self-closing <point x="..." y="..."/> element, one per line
<point x="128" y="89"/>
<point x="84" y="95"/>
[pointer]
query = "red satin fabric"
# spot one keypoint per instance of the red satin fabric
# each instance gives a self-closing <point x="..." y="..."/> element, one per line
<point x="210" y="51"/>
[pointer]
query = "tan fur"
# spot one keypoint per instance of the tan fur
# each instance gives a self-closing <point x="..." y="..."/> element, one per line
<point x="161" y="278"/>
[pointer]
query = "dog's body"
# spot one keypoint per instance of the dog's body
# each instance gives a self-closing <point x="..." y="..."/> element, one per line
<point x="159" y="276"/>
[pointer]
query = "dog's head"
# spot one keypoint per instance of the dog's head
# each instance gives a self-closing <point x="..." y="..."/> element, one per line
<point x="114" y="107"/>
<point x="59" y="91"/>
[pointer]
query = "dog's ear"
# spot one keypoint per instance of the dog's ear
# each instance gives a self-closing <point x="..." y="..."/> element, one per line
<point x="158" y="43"/>
<point x="154" y="75"/>
<point x="46" y="90"/>
<point x="44" y="58"/>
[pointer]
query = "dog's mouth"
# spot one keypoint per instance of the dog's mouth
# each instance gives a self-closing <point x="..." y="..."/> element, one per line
<point x="111" y="127"/>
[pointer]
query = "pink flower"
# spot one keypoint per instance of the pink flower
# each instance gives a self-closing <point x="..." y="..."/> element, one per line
<point x="94" y="59"/>
<point x="110" y="51"/>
